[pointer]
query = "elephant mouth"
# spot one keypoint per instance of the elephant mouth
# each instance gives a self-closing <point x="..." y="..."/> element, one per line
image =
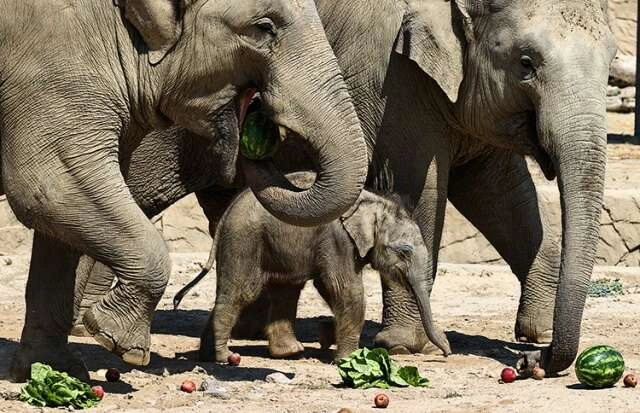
<point x="245" y="101"/>
<point x="541" y="156"/>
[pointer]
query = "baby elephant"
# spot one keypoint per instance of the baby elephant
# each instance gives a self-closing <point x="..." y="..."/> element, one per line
<point x="256" y="251"/>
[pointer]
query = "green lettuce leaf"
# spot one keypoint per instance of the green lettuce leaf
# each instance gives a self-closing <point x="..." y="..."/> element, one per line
<point x="48" y="387"/>
<point x="366" y="368"/>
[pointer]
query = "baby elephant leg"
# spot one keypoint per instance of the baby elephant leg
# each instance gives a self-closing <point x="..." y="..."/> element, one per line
<point x="346" y="300"/>
<point x="280" y="330"/>
<point x="237" y="287"/>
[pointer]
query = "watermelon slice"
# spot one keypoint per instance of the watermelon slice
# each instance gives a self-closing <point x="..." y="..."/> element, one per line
<point x="599" y="366"/>
<point x="260" y="136"/>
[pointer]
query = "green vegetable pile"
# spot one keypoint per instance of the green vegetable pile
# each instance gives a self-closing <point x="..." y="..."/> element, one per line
<point x="605" y="287"/>
<point x="366" y="368"/>
<point x="48" y="387"/>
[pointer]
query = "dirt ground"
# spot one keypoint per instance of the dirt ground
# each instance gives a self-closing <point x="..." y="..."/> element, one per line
<point x="475" y="304"/>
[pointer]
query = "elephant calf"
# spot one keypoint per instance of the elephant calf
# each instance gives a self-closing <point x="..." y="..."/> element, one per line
<point x="255" y="250"/>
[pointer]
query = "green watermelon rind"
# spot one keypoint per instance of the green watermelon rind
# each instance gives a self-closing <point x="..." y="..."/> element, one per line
<point x="599" y="367"/>
<point x="254" y="146"/>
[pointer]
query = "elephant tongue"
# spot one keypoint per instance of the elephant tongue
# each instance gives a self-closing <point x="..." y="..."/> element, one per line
<point x="243" y="106"/>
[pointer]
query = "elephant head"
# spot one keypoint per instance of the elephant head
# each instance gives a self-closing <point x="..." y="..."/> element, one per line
<point x="383" y="231"/>
<point x="530" y="77"/>
<point x="211" y="58"/>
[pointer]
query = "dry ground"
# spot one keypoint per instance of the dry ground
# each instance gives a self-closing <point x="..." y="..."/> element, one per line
<point x="475" y="304"/>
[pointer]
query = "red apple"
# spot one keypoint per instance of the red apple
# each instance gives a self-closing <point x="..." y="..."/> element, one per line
<point x="233" y="359"/>
<point x="112" y="374"/>
<point x="508" y="375"/>
<point x="98" y="391"/>
<point x="630" y="380"/>
<point x="381" y="401"/>
<point x="188" y="386"/>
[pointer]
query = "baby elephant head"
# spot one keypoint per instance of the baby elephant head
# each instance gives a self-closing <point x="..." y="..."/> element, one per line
<point x="386" y="235"/>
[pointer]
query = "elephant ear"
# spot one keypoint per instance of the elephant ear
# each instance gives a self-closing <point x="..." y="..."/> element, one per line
<point x="431" y="36"/>
<point x="159" y="22"/>
<point x="360" y="223"/>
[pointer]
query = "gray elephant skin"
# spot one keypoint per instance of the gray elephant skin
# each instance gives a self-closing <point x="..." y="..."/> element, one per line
<point x="256" y="251"/>
<point x="451" y="97"/>
<point x="81" y="83"/>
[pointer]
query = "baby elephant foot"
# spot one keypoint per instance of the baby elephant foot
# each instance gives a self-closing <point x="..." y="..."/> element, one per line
<point x="284" y="347"/>
<point x="56" y="355"/>
<point x="130" y="340"/>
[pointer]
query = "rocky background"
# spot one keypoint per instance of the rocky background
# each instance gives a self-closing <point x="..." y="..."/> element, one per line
<point x="185" y="228"/>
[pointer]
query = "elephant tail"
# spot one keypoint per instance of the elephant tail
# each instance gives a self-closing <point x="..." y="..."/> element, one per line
<point x="212" y="258"/>
<point x="205" y="270"/>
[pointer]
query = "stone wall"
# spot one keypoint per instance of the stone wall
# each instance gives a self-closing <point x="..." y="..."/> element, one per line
<point x="622" y="19"/>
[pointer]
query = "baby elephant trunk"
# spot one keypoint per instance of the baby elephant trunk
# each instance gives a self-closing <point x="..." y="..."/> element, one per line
<point x="421" y="283"/>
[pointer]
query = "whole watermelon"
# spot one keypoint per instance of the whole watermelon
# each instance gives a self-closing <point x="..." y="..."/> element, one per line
<point x="260" y="136"/>
<point x="599" y="367"/>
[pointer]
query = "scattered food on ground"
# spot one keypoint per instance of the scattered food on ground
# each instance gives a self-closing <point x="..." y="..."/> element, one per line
<point x="188" y="386"/>
<point x="599" y="367"/>
<point x="233" y="359"/>
<point x="112" y="375"/>
<point x="630" y="380"/>
<point x="381" y="401"/>
<point x="508" y="375"/>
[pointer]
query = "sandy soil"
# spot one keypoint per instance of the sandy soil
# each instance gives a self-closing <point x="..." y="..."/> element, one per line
<point x="476" y="305"/>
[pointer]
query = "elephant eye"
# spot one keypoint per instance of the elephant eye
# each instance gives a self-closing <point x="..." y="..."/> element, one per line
<point x="266" y="25"/>
<point x="529" y="72"/>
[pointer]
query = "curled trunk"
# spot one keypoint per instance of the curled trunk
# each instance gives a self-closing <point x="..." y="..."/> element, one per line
<point x="315" y="105"/>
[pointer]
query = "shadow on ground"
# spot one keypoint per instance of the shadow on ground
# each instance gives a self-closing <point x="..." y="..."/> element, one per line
<point x="482" y="346"/>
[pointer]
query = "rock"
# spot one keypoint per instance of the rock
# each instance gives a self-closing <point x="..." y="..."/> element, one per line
<point x="628" y="92"/>
<point x="165" y="372"/>
<point x="212" y="387"/>
<point x="278" y="378"/>
<point x="613" y="90"/>
<point x="199" y="370"/>
<point x="614" y="103"/>
<point x="623" y="68"/>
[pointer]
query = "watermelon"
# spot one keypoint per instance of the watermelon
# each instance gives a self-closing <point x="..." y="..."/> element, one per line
<point x="260" y="136"/>
<point x="599" y="367"/>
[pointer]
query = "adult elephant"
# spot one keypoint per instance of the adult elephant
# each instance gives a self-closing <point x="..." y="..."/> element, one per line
<point x="452" y="96"/>
<point x="81" y="83"/>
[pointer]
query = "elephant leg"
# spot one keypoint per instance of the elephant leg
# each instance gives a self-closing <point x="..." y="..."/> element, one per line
<point x="237" y="288"/>
<point x="496" y="193"/>
<point x="280" y="330"/>
<point x="402" y="331"/>
<point x="346" y="300"/>
<point x="49" y="286"/>
<point x="93" y="281"/>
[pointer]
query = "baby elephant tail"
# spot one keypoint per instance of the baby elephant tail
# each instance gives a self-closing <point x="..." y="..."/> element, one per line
<point x="205" y="270"/>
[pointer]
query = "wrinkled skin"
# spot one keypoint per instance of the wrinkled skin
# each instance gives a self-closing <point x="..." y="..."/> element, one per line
<point x="258" y="252"/>
<point x="452" y="114"/>
<point x="81" y="85"/>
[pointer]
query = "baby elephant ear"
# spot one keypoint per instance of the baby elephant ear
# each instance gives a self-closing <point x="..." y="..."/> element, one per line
<point x="432" y="36"/>
<point x="159" y="22"/>
<point x="360" y="223"/>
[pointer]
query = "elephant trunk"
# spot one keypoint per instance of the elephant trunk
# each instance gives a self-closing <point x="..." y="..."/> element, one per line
<point x="421" y="284"/>
<point x="573" y="132"/>
<point x="315" y="105"/>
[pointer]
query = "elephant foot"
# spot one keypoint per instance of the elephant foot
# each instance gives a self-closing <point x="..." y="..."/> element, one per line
<point x="130" y="341"/>
<point x="58" y="356"/>
<point x="326" y="333"/>
<point x="532" y="330"/>
<point x="285" y="346"/>
<point x="403" y="341"/>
